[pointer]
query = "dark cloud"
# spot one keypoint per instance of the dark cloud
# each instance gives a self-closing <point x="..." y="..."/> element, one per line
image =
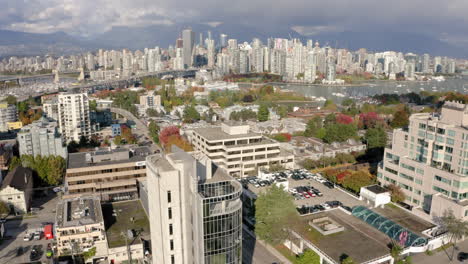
<point x="446" y="20"/>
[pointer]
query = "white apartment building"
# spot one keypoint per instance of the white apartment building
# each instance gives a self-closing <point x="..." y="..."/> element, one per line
<point x="41" y="137"/>
<point x="74" y="119"/>
<point x="150" y="100"/>
<point x="238" y="150"/>
<point x="195" y="211"/>
<point x="429" y="161"/>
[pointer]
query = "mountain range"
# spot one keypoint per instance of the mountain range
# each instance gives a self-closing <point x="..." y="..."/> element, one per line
<point x="61" y="43"/>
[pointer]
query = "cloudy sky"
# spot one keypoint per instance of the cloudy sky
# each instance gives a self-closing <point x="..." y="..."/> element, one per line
<point x="444" y="19"/>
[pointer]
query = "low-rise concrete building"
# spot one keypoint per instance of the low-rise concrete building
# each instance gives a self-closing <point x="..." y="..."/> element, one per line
<point x="8" y="113"/>
<point x="238" y="150"/>
<point x="79" y="226"/>
<point x="314" y="148"/>
<point x="16" y="190"/>
<point x="113" y="174"/>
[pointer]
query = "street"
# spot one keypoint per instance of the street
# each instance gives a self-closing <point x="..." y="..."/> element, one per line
<point x="255" y="253"/>
<point x="442" y="256"/>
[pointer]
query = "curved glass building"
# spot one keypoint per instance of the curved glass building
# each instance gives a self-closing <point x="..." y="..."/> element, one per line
<point x="393" y="230"/>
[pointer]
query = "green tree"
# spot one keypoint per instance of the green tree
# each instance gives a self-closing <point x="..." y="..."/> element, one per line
<point x="154" y="131"/>
<point x="313" y="126"/>
<point x="340" y="132"/>
<point x="274" y="213"/>
<point x="330" y="105"/>
<point x="92" y="105"/>
<point x="357" y="180"/>
<point x="15" y="162"/>
<point x="308" y="257"/>
<point x="347" y="102"/>
<point x="152" y="112"/>
<point x="4" y="209"/>
<point x="376" y="137"/>
<point x="263" y="113"/>
<point x="191" y="114"/>
<point x="118" y="140"/>
<point x="329" y="120"/>
<point x="400" y="119"/>
<point x="456" y="229"/>
<point x="348" y="260"/>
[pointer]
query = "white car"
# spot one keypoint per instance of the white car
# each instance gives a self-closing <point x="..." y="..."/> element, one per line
<point x="293" y="190"/>
<point x="326" y="206"/>
<point x="256" y="185"/>
<point x="57" y="189"/>
<point x="28" y="237"/>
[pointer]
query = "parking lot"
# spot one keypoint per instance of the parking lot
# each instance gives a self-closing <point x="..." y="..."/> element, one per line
<point x="328" y="194"/>
<point x="17" y="228"/>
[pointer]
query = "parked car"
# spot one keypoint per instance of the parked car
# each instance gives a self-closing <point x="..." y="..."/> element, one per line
<point x="334" y="204"/>
<point x="28" y="237"/>
<point x="329" y="184"/>
<point x="36" y="253"/>
<point x="318" y="193"/>
<point x="19" y="251"/>
<point x="306" y="195"/>
<point x="37" y="235"/>
<point x="347" y="208"/>
<point x="326" y="206"/>
<point x="462" y="256"/>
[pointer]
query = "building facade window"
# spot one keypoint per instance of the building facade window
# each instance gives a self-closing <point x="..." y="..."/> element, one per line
<point x="169" y="197"/>
<point x="169" y="212"/>
<point x="171" y="229"/>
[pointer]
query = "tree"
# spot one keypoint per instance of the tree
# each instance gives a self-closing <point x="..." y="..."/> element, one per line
<point x="4" y="209"/>
<point x="92" y="105"/>
<point x="456" y="229"/>
<point x="348" y="260"/>
<point x="376" y="138"/>
<point x="118" y="140"/>
<point x="357" y="180"/>
<point x="400" y="119"/>
<point x="274" y="213"/>
<point x="347" y="102"/>
<point x="263" y="113"/>
<point x="308" y="257"/>
<point x="191" y="114"/>
<point x="369" y="120"/>
<point x="313" y="126"/>
<point x="396" y="193"/>
<point x="154" y="131"/>
<point x="330" y="105"/>
<point x="166" y="133"/>
<point x="329" y="119"/>
<point x="152" y="112"/>
<point x="15" y="162"/>
<point x="339" y="132"/>
<point x="344" y="119"/>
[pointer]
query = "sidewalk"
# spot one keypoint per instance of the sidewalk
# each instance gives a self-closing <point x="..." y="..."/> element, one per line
<point x="271" y="249"/>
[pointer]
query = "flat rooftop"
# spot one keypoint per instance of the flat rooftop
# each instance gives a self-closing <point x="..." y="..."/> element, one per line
<point x="376" y="189"/>
<point x="78" y="211"/>
<point x="216" y="133"/>
<point x="359" y="240"/>
<point x="122" y="216"/>
<point x="107" y="157"/>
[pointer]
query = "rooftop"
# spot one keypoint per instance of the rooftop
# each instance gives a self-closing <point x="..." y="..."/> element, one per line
<point x="359" y="240"/>
<point x="18" y="178"/>
<point x="107" y="157"/>
<point x="78" y="211"/>
<point x="216" y="133"/>
<point x="122" y="216"/>
<point x="376" y="189"/>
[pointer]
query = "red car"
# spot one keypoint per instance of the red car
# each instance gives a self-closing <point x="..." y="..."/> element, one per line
<point x="306" y="195"/>
<point x="311" y="194"/>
